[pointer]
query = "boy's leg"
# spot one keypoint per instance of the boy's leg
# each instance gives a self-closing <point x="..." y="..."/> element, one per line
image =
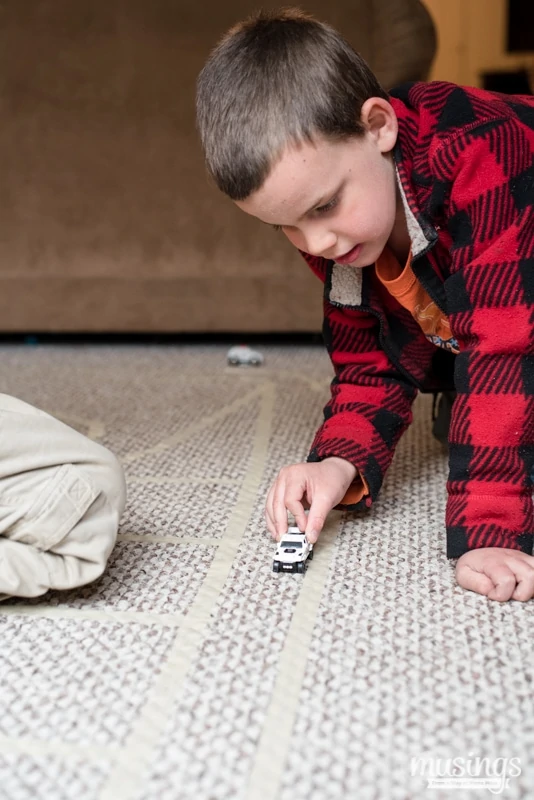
<point x="61" y="497"/>
<point x="444" y="364"/>
<point x="441" y="419"/>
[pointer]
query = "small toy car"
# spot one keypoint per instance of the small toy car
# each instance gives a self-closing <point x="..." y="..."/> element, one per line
<point x="242" y="355"/>
<point x="293" y="552"/>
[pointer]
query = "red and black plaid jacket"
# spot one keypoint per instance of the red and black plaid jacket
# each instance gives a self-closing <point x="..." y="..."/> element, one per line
<point x="465" y="162"/>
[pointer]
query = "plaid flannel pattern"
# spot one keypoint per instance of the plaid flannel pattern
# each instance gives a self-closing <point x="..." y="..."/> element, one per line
<point x="465" y="162"/>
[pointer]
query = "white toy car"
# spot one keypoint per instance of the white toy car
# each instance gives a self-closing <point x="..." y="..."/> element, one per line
<point x="293" y="552"/>
<point x="242" y="355"/>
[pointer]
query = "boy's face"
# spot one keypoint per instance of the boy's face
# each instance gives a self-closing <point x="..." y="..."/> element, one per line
<point x="336" y="199"/>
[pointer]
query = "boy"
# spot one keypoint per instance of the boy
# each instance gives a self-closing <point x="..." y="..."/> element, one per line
<point x="61" y="499"/>
<point x="416" y="210"/>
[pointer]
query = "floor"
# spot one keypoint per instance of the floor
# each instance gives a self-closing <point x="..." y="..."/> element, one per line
<point x="190" y="670"/>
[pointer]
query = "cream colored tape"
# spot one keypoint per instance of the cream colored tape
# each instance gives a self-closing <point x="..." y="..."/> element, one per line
<point x="134" y="760"/>
<point x="207" y="480"/>
<point x="316" y="384"/>
<point x="96" y="429"/>
<point x="275" y="740"/>
<point x="144" y="538"/>
<point x="196" y="427"/>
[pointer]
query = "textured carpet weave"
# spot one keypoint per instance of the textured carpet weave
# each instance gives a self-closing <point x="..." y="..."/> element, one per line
<point x="190" y="671"/>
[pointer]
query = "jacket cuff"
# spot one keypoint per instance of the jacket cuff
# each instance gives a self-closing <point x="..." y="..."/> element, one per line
<point x="366" y="464"/>
<point x="461" y="540"/>
<point x="489" y="520"/>
<point x="358" y="496"/>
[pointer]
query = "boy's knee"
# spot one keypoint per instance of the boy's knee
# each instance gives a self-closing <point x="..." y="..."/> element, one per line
<point x="68" y="529"/>
<point x="114" y="482"/>
<point x="92" y="538"/>
<point x="85" y="550"/>
<point x="107" y="473"/>
<point x="101" y="522"/>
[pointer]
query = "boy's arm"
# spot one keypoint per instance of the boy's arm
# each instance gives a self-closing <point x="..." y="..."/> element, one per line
<point x="370" y="405"/>
<point x="488" y="176"/>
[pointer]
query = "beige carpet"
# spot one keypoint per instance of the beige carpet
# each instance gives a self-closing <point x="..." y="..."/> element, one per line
<point x="191" y="671"/>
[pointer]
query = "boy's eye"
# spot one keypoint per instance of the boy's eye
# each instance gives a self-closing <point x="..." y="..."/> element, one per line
<point x="320" y="210"/>
<point x="328" y="206"/>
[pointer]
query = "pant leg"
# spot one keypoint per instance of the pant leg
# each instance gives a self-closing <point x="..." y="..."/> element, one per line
<point x="61" y="498"/>
<point x="441" y="420"/>
<point x="443" y="368"/>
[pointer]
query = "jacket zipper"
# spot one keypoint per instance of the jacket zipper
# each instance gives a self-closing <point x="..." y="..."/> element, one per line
<point x="385" y="347"/>
<point x="423" y="283"/>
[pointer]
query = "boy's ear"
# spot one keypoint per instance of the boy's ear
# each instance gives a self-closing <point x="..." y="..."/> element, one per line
<point x="380" y="119"/>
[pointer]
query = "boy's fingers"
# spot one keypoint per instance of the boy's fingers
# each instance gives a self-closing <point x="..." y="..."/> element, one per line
<point x="269" y="515"/>
<point x="498" y="583"/>
<point x="316" y="517"/>
<point x="293" y="502"/>
<point x="524" y="589"/>
<point x="511" y="579"/>
<point x="297" y="509"/>
<point x="270" y="525"/>
<point x="504" y="580"/>
<point x="478" y="582"/>
<point x="279" y="510"/>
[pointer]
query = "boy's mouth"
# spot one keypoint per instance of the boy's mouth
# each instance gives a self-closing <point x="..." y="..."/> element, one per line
<point x="349" y="257"/>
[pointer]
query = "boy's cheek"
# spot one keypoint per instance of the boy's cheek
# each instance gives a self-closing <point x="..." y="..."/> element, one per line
<point x="296" y="239"/>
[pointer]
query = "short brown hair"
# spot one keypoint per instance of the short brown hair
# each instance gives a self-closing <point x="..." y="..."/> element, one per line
<point x="276" y="78"/>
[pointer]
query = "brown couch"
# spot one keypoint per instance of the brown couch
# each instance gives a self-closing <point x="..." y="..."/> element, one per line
<point x="107" y="220"/>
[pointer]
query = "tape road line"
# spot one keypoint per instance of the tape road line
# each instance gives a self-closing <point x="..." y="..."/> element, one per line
<point x="276" y="736"/>
<point x="125" y="781"/>
<point x="197" y="427"/>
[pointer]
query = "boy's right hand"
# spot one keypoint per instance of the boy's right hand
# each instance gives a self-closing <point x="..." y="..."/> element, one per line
<point x="319" y="486"/>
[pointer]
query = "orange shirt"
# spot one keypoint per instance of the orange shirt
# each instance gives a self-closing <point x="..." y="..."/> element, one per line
<point x="404" y="286"/>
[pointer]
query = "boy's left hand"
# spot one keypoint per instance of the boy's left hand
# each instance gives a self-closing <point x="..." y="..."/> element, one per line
<point x="498" y="572"/>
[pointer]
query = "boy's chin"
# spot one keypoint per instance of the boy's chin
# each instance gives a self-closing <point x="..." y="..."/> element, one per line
<point x="369" y="255"/>
<point x="366" y="255"/>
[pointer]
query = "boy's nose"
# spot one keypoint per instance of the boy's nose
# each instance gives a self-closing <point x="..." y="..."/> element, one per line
<point x="321" y="243"/>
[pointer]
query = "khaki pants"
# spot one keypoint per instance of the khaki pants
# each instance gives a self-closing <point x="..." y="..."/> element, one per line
<point x="61" y="497"/>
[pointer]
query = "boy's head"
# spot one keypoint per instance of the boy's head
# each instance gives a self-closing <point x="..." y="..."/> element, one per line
<point x="274" y="79"/>
<point x="287" y="110"/>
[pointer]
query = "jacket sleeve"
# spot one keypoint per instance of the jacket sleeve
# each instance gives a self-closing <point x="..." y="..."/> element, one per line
<point x="488" y="177"/>
<point x="370" y="404"/>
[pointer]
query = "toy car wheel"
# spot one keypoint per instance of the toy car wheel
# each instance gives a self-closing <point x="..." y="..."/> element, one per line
<point x="301" y="567"/>
<point x="276" y="566"/>
<point x="233" y="362"/>
<point x="310" y="555"/>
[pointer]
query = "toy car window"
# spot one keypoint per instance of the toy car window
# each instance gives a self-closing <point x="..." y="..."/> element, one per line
<point x="292" y="544"/>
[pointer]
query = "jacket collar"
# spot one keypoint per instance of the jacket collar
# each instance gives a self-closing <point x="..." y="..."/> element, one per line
<point x="422" y="235"/>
